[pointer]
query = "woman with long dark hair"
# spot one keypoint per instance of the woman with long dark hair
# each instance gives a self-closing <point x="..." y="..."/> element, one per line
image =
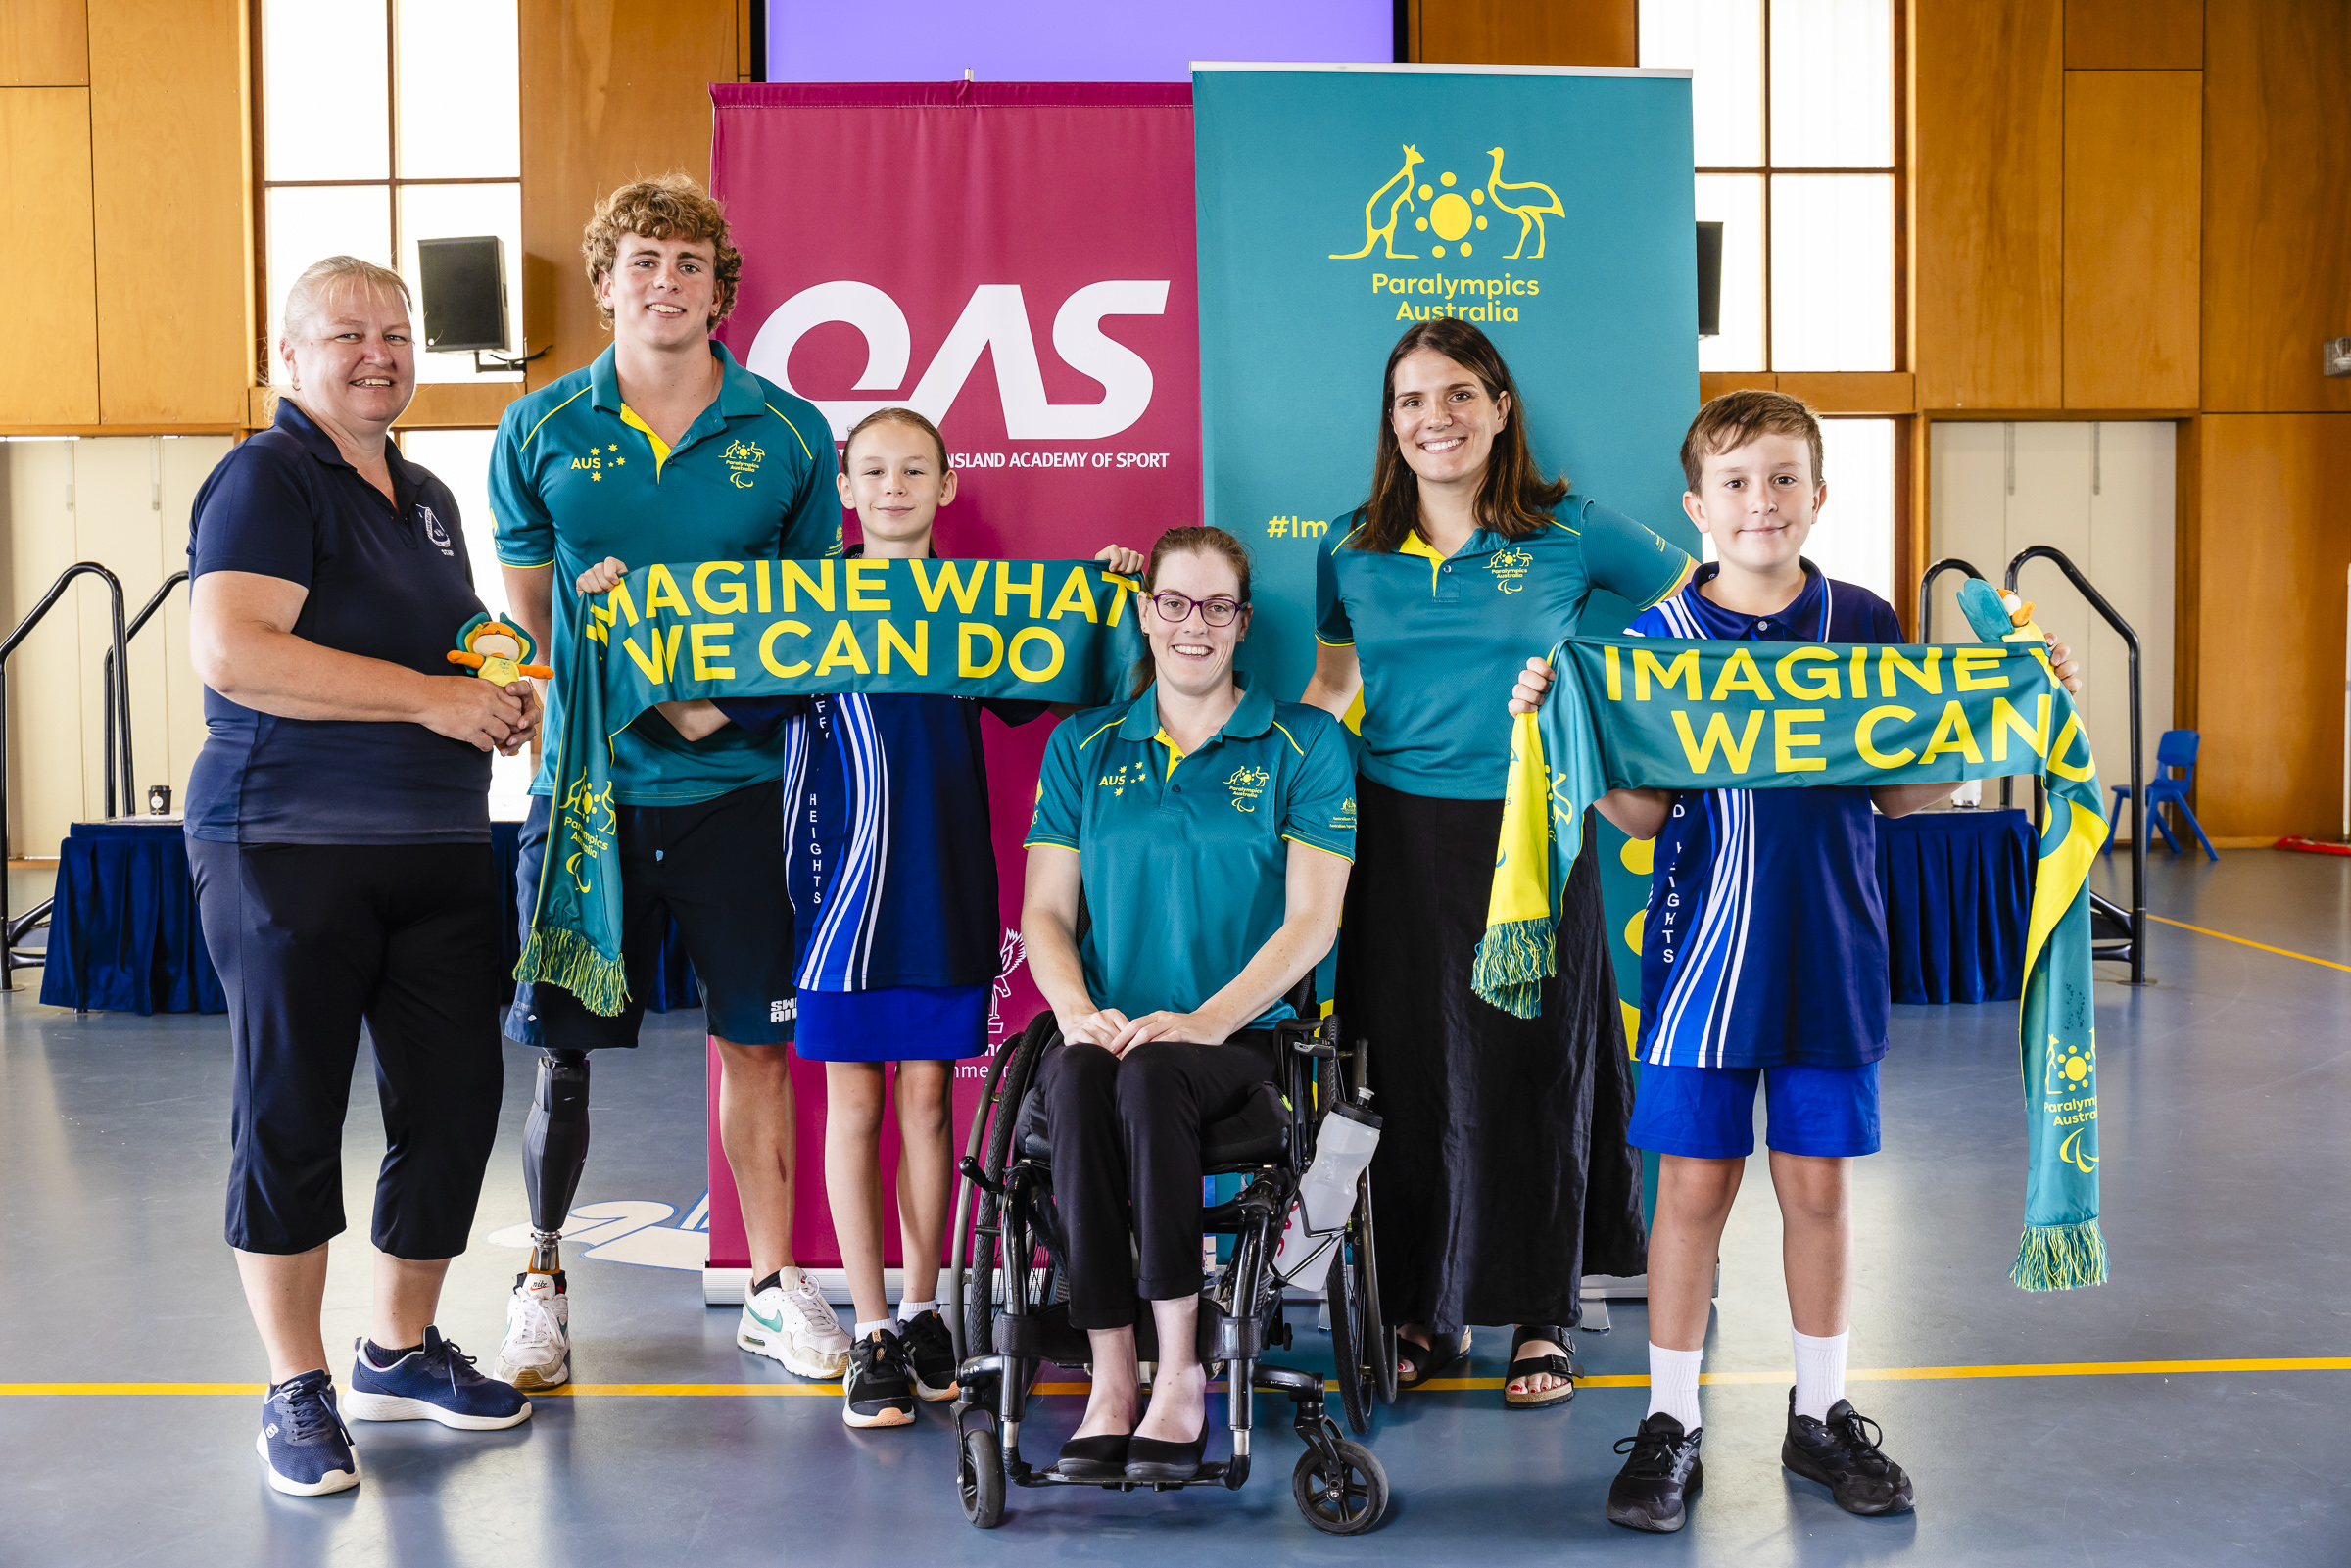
<point x="1502" y="1174"/>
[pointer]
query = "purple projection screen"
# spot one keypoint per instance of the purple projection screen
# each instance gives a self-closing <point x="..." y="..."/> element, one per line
<point x="1062" y="40"/>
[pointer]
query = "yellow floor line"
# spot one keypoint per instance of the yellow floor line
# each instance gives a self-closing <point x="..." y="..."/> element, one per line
<point x="2243" y="941"/>
<point x="1888" y="1374"/>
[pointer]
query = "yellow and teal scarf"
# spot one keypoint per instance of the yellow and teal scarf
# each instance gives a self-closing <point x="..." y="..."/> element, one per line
<point x="1044" y="630"/>
<point x="1652" y="713"/>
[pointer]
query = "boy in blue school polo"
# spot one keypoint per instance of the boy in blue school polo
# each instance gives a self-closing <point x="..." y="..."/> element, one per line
<point x="666" y="450"/>
<point x="1763" y="965"/>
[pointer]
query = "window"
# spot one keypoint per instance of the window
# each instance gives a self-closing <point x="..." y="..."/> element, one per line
<point x="383" y="122"/>
<point x="1792" y="118"/>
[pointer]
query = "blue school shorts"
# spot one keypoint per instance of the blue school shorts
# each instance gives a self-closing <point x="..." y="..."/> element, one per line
<point x="1709" y="1113"/>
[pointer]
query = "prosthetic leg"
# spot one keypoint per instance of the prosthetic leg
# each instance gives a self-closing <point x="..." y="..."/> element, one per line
<point x="555" y="1151"/>
<point x="536" y="1350"/>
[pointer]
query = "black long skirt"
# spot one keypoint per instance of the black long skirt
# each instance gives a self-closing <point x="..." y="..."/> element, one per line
<point x="1503" y="1176"/>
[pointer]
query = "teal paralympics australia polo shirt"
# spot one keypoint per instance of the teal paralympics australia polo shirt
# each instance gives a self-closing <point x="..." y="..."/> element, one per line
<point x="576" y="476"/>
<point x="1184" y="857"/>
<point x="1441" y="638"/>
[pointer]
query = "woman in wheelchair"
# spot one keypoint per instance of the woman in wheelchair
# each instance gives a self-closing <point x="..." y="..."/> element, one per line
<point x="1187" y="866"/>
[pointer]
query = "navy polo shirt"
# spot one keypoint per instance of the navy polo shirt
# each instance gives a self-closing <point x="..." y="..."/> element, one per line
<point x="1441" y="638"/>
<point x="1765" y="938"/>
<point x="388" y="580"/>
<point x="1184" y="857"/>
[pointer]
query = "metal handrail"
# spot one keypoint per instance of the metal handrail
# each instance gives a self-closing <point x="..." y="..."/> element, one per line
<point x="2132" y="948"/>
<point x="1926" y="588"/>
<point x="9" y="959"/>
<point x="146" y="613"/>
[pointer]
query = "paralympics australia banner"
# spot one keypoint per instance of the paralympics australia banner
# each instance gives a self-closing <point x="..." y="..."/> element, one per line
<point x="1045" y="631"/>
<point x="1652" y="713"/>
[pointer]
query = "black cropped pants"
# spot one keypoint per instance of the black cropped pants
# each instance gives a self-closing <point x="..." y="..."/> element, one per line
<point x="1125" y="1147"/>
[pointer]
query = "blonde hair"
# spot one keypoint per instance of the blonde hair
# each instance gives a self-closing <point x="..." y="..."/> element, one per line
<point x="322" y="279"/>
<point x="669" y="207"/>
<point x="896" y="416"/>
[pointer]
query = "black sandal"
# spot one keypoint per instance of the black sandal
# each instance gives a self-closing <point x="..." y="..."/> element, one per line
<point x="1442" y="1353"/>
<point x="1565" y="1368"/>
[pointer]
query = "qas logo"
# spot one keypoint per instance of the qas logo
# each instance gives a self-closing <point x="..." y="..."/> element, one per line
<point x="997" y="319"/>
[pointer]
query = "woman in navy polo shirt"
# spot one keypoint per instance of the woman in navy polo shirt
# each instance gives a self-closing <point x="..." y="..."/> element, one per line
<point x="1502" y="1174"/>
<point x="1207" y="829"/>
<point x="338" y="827"/>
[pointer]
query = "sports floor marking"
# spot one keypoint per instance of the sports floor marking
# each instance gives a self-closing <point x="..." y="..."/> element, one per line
<point x="1889" y="1374"/>
<point x="2243" y="941"/>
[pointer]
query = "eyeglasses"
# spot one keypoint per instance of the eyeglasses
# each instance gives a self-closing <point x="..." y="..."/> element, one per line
<point x="1175" y="608"/>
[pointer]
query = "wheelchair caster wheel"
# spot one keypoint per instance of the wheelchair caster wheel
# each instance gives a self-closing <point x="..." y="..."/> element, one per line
<point x="980" y="1478"/>
<point x="1346" y="1503"/>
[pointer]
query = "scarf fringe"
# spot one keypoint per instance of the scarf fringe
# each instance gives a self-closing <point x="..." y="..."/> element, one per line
<point x="2060" y="1256"/>
<point x="556" y="956"/>
<point x="1513" y="959"/>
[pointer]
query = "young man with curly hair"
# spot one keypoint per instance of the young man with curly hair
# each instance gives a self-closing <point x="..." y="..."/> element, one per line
<point x="666" y="450"/>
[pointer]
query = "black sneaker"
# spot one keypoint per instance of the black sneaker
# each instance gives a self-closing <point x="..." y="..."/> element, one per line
<point x="1652" y="1491"/>
<point x="1842" y="1455"/>
<point x="929" y="1355"/>
<point x="876" y="1390"/>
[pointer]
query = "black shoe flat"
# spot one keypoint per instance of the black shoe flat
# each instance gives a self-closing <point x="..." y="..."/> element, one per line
<point x="1841" y="1454"/>
<point x="1441" y="1354"/>
<point x="1559" y="1366"/>
<point x="1653" y="1491"/>
<point x="1150" y="1459"/>
<point x="1099" y="1458"/>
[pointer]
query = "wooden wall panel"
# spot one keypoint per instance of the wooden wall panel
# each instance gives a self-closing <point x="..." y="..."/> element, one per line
<point x="1525" y="33"/>
<point x="2134" y="219"/>
<point x="612" y="90"/>
<point x="50" y="376"/>
<point x="2134" y="34"/>
<point x="173" y="208"/>
<point x="2271" y="707"/>
<point x="44" y="43"/>
<point x="1987" y="224"/>
<point x="2277" y="212"/>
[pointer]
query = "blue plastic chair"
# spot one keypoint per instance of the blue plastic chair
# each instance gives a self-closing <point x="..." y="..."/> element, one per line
<point x="2176" y="749"/>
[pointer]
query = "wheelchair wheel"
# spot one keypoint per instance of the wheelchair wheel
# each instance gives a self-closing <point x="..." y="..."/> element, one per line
<point x="1346" y="1503"/>
<point x="1372" y="1344"/>
<point x="987" y="1255"/>
<point x="980" y="1478"/>
<point x="1342" y="1293"/>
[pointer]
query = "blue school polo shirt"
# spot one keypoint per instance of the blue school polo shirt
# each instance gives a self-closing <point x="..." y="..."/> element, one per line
<point x="1184" y="857"/>
<point x="576" y="476"/>
<point x="1765" y="938"/>
<point x="1441" y="639"/>
<point x="388" y="580"/>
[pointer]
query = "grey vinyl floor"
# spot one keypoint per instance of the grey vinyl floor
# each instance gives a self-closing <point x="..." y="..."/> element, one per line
<point x="2226" y="1149"/>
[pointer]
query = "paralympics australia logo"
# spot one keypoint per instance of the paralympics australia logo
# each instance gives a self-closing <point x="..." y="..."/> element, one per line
<point x="1510" y="568"/>
<point x="742" y="462"/>
<point x="1452" y="220"/>
<point x="2070" y="1094"/>
<point x="1246" y="784"/>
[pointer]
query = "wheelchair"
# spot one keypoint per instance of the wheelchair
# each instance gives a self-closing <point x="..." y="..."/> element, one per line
<point x="1006" y="1293"/>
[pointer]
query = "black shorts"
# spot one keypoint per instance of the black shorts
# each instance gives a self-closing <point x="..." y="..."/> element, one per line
<point x="312" y="940"/>
<point x="716" y="868"/>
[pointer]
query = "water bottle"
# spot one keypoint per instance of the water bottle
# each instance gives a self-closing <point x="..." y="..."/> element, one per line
<point x="1327" y="1196"/>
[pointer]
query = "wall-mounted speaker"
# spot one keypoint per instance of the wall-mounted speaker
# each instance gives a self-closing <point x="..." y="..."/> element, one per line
<point x="1710" y="280"/>
<point x="465" y="286"/>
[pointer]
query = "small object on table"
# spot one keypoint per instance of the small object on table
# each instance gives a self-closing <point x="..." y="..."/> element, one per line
<point x="159" y="800"/>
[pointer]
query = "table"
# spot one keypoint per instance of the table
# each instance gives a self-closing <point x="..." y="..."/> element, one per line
<point x="124" y="937"/>
<point x="1958" y="887"/>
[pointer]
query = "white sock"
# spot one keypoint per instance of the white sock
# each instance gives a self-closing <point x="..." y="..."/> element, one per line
<point x="876" y="1327"/>
<point x="1673" y="1384"/>
<point x="909" y="1311"/>
<point x="1819" y="1372"/>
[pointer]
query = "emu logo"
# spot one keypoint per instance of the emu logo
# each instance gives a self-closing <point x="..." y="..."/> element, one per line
<point x="997" y="319"/>
<point x="1452" y="218"/>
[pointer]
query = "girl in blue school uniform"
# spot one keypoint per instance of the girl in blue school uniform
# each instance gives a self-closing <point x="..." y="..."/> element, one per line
<point x="892" y="872"/>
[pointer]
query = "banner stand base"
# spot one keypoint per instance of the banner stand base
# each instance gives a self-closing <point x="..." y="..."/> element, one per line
<point x="726" y="1287"/>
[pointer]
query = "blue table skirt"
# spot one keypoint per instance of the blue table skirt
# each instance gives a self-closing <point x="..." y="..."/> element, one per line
<point x="124" y="936"/>
<point x="1958" y="887"/>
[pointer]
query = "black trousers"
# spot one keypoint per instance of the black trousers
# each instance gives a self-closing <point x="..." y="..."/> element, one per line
<point x="1126" y="1140"/>
<point x="312" y="940"/>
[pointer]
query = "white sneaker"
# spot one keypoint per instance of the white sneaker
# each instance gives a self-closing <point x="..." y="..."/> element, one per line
<point x="792" y="1322"/>
<point x="536" y="1353"/>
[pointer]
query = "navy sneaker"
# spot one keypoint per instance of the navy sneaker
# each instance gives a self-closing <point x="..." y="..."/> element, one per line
<point x="435" y="1382"/>
<point x="302" y="1440"/>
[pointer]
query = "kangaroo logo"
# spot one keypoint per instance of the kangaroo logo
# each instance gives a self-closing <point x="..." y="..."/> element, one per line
<point x="1529" y="214"/>
<point x="1376" y="233"/>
